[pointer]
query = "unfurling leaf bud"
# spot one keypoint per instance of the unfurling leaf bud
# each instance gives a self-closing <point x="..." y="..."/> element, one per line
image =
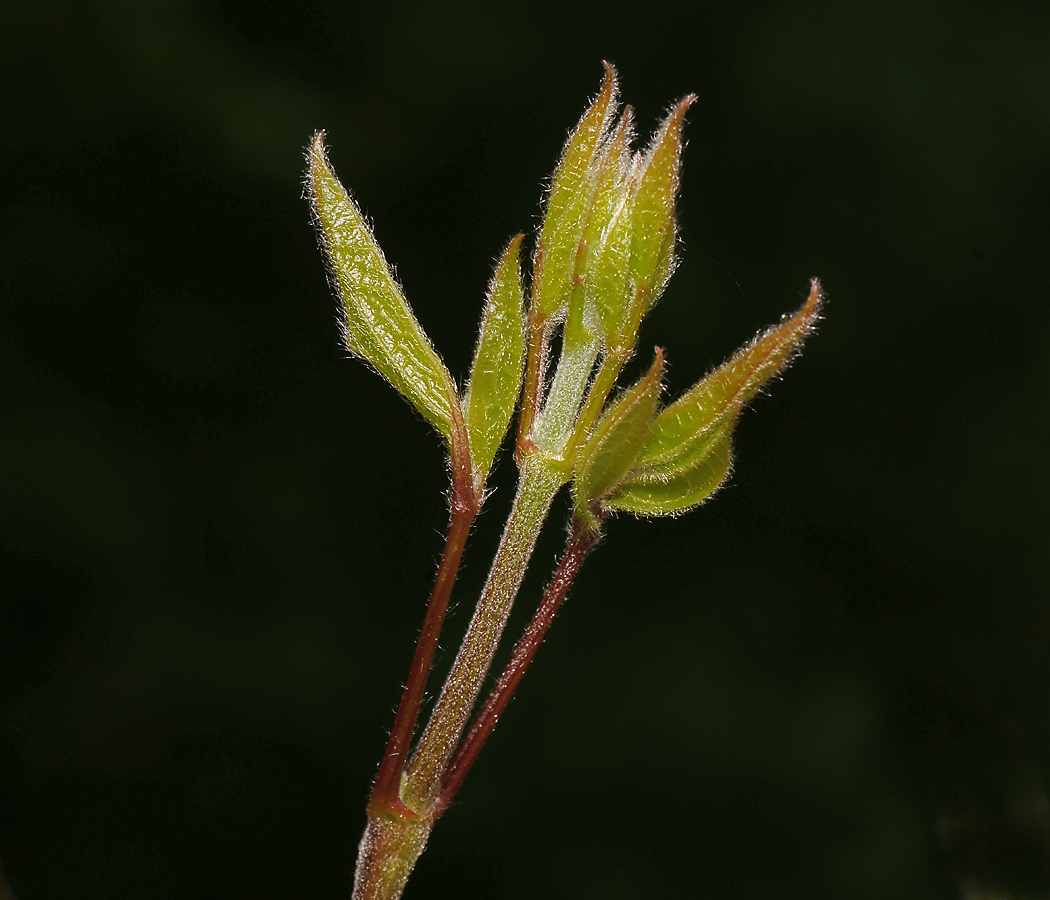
<point x="653" y="226"/>
<point x="613" y="447"/>
<point x="378" y="324"/>
<point x="567" y="205"/>
<point x="730" y="386"/>
<point x="652" y="214"/>
<point x="600" y="281"/>
<point x="495" y="378"/>
<point x="687" y="451"/>
<point x="647" y="492"/>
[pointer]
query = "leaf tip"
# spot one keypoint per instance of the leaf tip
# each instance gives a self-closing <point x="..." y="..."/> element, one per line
<point x="316" y="154"/>
<point x="811" y="308"/>
<point x="658" y="365"/>
<point x="681" y="108"/>
<point x="609" y="82"/>
<point x="317" y="144"/>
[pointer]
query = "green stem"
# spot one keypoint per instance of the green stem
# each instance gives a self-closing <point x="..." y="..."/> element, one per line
<point x="387" y="854"/>
<point x="406" y="803"/>
<point x="596" y="397"/>
<point x="581" y="540"/>
<point x="571" y="380"/>
<point x="539" y="482"/>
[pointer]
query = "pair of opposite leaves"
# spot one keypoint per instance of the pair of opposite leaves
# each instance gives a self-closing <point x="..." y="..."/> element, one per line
<point x="603" y="257"/>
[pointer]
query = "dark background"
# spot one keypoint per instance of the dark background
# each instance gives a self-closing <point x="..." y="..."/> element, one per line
<point x="217" y="532"/>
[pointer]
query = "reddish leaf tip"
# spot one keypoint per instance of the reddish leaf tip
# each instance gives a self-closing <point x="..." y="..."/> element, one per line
<point x="684" y="104"/>
<point x="677" y="115"/>
<point x="815" y="299"/>
<point x="609" y="87"/>
<point x="317" y="151"/>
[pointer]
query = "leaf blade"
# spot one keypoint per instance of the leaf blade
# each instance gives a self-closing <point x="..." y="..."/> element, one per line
<point x="731" y="386"/>
<point x="378" y="324"/>
<point x="648" y="493"/>
<point x="571" y="192"/>
<point x="496" y="375"/>
<point x="653" y="229"/>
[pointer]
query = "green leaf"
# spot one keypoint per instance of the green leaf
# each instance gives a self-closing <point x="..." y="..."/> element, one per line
<point x="687" y="450"/>
<point x="567" y="205"/>
<point x="378" y="323"/>
<point x="609" y="191"/>
<point x="608" y="288"/>
<point x="729" y="387"/>
<point x="647" y="492"/>
<point x="618" y="437"/>
<point x="606" y="240"/>
<point x="652" y="227"/>
<point x="654" y="202"/>
<point x="687" y="455"/>
<point x="495" y="379"/>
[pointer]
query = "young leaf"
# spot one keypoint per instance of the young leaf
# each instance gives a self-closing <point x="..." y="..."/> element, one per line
<point x="495" y="379"/>
<point x="729" y="387"/>
<point x="602" y="265"/>
<point x="614" y="446"/>
<point x="609" y="190"/>
<point x="378" y="323"/>
<point x="567" y="205"/>
<point x="653" y="211"/>
<point x="687" y="451"/>
<point x="647" y="493"/>
<point x="608" y="287"/>
<point x="687" y="456"/>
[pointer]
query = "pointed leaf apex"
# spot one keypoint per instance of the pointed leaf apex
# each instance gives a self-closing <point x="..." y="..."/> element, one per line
<point x="681" y="109"/>
<point x="729" y="388"/>
<point x="610" y="84"/>
<point x="771" y="351"/>
<point x="317" y="147"/>
<point x="568" y="201"/>
<point x="667" y="142"/>
<point x="378" y="324"/>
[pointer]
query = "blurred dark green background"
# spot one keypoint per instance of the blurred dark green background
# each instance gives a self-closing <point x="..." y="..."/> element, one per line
<point x="217" y="533"/>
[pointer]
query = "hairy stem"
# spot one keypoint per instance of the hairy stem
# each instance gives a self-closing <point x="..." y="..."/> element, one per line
<point x="535" y="373"/>
<point x="538" y="484"/>
<point x="464" y="502"/>
<point x="581" y="540"/>
<point x="386" y="792"/>
<point x="387" y="854"/>
<point x="571" y="380"/>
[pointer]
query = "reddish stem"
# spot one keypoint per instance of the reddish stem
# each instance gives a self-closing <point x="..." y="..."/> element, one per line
<point x="580" y="542"/>
<point x="535" y="372"/>
<point x="464" y="503"/>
